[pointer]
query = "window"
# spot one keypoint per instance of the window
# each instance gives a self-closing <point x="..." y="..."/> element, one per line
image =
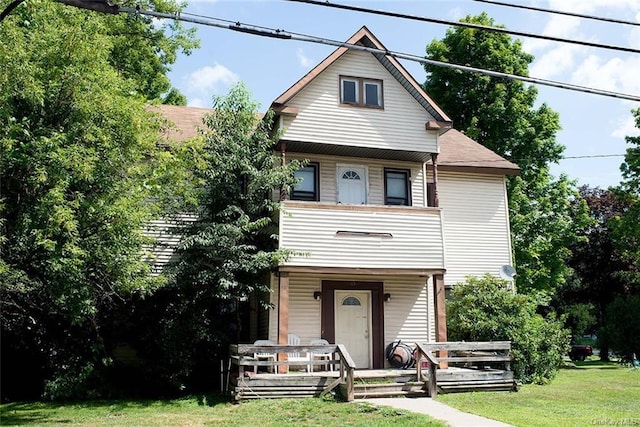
<point x="396" y="187"/>
<point x="372" y="95"/>
<point x="361" y="92"/>
<point x="349" y="91"/>
<point x="307" y="186"/>
<point x="351" y="175"/>
<point x="351" y="301"/>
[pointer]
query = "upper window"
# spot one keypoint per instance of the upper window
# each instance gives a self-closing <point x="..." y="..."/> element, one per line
<point x="361" y="92"/>
<point x="349" y="91"/>
<point x="373" y="94"/>
<point x="307" y="186"/>
<point x="396" y="187"/>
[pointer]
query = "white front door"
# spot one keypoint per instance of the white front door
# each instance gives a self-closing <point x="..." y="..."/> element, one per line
<point x="352" y="185"/>
<point x="353" y="324"/>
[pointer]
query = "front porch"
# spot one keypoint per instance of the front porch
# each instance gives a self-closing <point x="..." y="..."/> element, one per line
<point x="316" y="377"/>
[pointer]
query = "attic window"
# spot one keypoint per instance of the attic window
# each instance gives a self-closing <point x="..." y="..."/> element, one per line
<point x="361" y="92"/>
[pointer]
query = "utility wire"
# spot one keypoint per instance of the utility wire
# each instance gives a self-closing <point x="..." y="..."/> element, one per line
<point x="465" y="24"/>
<point x="281" y="34"/>
<point x="590" y="156"/>
<point x="560" y="12"/>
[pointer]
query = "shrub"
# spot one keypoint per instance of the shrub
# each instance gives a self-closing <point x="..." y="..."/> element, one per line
<point x="484" y="309"/>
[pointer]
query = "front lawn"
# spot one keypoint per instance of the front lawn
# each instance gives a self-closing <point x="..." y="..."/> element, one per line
<point x="218" y="411"/>
<point x="590" y="394"/>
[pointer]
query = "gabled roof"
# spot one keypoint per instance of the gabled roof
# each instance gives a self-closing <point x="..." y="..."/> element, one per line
<point x="366" y="38"/>
<point x="457" y="151"/>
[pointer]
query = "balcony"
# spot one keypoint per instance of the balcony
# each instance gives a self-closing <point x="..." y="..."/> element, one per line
<point x="362" y="236"/>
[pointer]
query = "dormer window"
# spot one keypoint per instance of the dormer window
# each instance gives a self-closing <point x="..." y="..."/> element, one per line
<point x="361" y="92"/>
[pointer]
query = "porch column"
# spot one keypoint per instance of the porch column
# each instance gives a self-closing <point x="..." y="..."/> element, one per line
<point x="441" y="314"/>
<point x="283" y="316"/>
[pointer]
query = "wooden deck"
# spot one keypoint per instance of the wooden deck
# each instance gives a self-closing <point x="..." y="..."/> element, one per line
<point x="277" y="377"/>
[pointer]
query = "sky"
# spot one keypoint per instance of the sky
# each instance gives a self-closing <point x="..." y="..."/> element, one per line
<point x="592" y="125"/>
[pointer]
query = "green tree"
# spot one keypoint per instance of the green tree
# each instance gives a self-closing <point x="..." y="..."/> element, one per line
<point x="143" y="50"/>
<point x="174" y="97"/>
<point x="622" y="331"/>
<point x="79" y="169"/>
<point x="484" y="309"/>
<point x="500" y="114"/>
<point x="226" y="255"/>
<point x="626" y="226"/>
<point x="600" y="271"/>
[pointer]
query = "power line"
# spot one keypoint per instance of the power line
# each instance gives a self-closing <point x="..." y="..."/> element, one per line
<point x="559" y="12"/>
<point x="465" y="24"/>
<point x="590" y="156"/>
<point x="281" y="34"/>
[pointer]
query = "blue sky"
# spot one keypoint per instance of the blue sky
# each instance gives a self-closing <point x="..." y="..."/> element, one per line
<point x="592" y="124"/>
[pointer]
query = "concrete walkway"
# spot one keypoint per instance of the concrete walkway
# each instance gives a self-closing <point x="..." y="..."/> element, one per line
<point x="437" y="410"/>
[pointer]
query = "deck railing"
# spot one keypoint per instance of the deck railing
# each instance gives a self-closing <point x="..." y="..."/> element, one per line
<point x="244" y="356"/>
<point x="486" y="352"/>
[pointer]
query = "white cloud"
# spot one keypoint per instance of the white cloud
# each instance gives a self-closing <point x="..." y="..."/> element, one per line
<point x="304" y="61"/>
<point x="625" y="127"/>
<point x="208" y="79"/>
<point x="554" y="62"/>
<point x="588" y="6"/>
<point x="558" y="26"/>
<point x="617" y="74"/>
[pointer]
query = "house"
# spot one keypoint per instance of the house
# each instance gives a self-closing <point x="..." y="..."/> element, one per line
<point x="393" y="208"/>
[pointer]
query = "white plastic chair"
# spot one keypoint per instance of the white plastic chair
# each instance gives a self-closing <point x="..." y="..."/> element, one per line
<point x="316" y="354"/>
<point x="264" y="356"/>
<point x="297" y="356"/>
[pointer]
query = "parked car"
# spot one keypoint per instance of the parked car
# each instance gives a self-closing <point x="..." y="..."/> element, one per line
<point x="580" y="352"/>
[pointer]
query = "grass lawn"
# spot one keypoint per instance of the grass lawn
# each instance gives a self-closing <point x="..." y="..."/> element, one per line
<point x="590" y="394"/>
<point x="217" y="411"/>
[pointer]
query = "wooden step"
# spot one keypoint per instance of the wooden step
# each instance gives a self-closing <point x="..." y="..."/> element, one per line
<point x="481" y="385"/>
<point x="362" y="391"/>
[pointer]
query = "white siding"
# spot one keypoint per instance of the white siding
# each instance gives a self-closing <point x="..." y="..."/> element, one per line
<point x="321" y="118"/>
<point x="165" y="232"/>
<point x="328" y="168"/>
<point x="476" y="224"/>
<point x="407" y="316"/>
<point x="310" y="230"/>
